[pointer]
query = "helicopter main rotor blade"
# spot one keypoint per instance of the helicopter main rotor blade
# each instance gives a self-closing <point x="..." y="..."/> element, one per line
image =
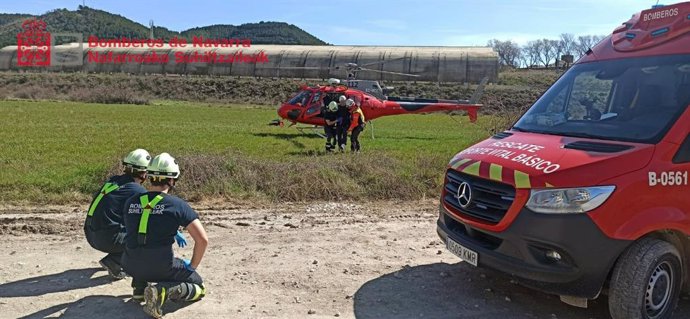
<point x="388" y="72"/>
<point x="381" y="62"/>
<point x="296" y="67"/>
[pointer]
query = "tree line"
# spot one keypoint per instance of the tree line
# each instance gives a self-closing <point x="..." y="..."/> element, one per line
<point x="89" y="21"/>
<point x="543" y="53"/>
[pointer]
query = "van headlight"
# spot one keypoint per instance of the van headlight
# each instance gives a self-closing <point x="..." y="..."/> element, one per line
<point x="568" y="200"/>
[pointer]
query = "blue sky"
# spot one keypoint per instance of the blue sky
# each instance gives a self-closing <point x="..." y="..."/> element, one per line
<point x="378" y="22"/>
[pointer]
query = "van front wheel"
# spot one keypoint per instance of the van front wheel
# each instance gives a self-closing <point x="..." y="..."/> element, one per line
<point x="646" y="281"/>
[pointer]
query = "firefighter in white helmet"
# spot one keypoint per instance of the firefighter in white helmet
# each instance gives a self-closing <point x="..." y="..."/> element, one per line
<point x="104" y="228"/>
<point x="152" y="220"/>
<point x="343" y="122"/>
<point x="330" y="116"/>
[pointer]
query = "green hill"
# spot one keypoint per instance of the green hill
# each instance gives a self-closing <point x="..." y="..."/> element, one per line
<point x="259" y="33"/>
<point x="6" y="18"/>
<point x="103" y="24"/>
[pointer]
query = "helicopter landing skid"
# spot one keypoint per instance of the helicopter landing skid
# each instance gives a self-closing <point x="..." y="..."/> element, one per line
<point x="313" y="128"/>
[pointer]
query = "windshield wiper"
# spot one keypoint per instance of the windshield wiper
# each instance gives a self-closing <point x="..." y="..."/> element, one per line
<point x="583" y="135"/>
<point x="535" y="131"/>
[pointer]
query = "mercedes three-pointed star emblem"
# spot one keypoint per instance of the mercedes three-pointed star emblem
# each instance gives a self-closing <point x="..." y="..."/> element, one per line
<point x="464" y="195"/>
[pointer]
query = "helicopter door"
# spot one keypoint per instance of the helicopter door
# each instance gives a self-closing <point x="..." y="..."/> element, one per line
<point x="315" y="106"/>
<point x="359" y="98"/>
<point x="298" y="103"/>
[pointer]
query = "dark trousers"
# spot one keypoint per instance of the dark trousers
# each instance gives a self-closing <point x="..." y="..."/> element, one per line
<point x="330" y="137"/>
<point x="181" y="283"/>
<point x="109" y="241"/>
<point x="354" y="138"/>
<point x="341" y="133"/>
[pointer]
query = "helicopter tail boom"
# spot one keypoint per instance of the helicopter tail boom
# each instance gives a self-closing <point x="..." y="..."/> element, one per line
<point x="421" y="106"/>
<point x="408" y="105"/>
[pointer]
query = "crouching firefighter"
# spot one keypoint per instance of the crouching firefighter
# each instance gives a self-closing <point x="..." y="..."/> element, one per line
<point x="104" y="228"/>
<point x="152" y="221"/>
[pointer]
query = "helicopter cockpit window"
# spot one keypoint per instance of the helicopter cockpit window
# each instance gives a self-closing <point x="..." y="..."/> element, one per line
<point x="316" y="98"/>
<point x="302" y="98"/>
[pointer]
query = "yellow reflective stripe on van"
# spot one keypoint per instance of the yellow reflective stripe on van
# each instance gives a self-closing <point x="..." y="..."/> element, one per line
<point x="496" y="172"/>
<point x="459" y="163"/>
<point x="521" y="180"/>
<point x="472" y="169"/>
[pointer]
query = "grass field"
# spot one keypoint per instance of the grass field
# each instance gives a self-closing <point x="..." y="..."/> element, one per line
<point x="60" y="151"/>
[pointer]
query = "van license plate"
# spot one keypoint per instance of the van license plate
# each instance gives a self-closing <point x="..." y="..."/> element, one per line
<point x="465" y="254"/>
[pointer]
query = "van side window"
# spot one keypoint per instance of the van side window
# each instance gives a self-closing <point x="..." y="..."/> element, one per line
<point x="683" y="154"/>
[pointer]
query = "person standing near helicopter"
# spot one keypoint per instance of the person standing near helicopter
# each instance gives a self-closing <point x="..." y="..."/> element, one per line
<point x="357" y="123"/>
<point x="343" y="123"/>
<point x="331" y="118"/>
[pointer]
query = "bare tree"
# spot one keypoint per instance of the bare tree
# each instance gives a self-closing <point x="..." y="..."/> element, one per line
<point x="531" y="52"/>
<point x="586" y="42"/>
<point x="508" y="51"/>
<point x="566" y="46"/>
<point x="547" y="51"/>
<point x="598" y="38"/>
<point x="523" y="60"/>
<point x="567" y="43"/>
<point x="544" y="52"/>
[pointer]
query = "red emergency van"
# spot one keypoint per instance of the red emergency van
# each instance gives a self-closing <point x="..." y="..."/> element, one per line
<point x="589" y="188"/>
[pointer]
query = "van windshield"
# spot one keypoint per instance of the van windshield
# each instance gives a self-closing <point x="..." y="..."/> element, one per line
<point x="634" y="100"/>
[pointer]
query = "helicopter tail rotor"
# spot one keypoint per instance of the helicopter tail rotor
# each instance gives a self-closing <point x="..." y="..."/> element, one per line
<point x="474" y="100"/>
<point x="480" y="90"/>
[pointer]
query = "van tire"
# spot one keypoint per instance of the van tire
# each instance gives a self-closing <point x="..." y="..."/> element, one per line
<point x="646" y="281"/>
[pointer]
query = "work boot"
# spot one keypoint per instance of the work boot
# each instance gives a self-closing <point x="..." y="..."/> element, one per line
<point x="138" y="294"/>
<point x="114" y="270"/>
<point x="155" y="298"/>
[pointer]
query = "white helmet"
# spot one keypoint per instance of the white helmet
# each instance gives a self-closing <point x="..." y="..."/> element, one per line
<point x="333" y="107"/>
<point x="342" y="99"/>
<point x="164" y="166"/>
<point x="349" y="103"/>
<point x="137" y="160"/>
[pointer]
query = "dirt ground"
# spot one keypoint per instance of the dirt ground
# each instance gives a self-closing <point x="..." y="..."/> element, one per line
<point x="322" y="260"/>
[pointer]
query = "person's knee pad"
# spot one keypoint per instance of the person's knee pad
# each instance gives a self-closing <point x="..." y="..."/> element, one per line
<point x="187" y="291"/>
